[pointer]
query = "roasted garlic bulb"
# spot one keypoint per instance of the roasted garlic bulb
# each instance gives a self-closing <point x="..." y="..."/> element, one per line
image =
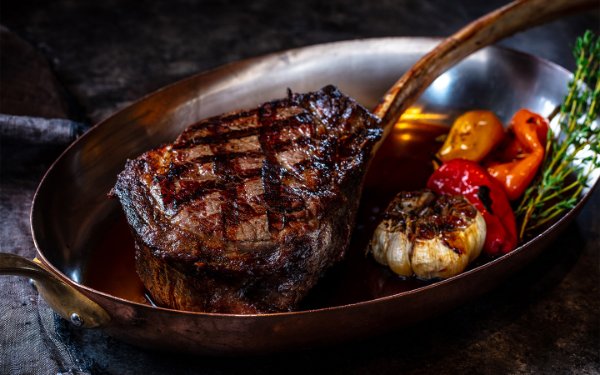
<point x="428" y="235"/>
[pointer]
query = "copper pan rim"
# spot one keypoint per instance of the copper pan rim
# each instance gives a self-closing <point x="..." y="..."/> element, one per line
<point x="70" y="202"/>
<point x="247" y="62"/>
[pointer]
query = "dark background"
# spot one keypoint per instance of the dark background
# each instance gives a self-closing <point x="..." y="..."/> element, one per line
<point x="109" y="53"/>
<point x="106" y="54"/>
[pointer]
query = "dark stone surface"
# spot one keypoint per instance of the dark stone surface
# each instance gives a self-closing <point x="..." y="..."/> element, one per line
<point x="109" y="53"/>
<point x="26" y="77"/>
<point x="545" y="319"/>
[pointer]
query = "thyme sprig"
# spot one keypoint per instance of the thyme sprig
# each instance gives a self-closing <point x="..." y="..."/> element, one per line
<point x="574" y="150"/>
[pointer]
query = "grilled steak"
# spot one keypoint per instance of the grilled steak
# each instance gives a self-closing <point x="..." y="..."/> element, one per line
<point x="245" y="211"/>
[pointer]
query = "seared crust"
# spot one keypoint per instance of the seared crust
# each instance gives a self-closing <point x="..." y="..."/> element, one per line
<point x="245" y="211"/>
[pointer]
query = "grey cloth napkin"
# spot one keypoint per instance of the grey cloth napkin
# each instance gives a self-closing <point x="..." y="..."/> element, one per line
<point x="32" y="336"/>
<point x="39" y="130"/>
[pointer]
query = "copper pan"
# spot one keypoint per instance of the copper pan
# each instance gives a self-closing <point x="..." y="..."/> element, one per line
<point x="70" y="209"/>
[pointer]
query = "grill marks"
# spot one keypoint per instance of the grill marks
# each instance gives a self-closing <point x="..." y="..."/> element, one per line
<point x="271" y="171"/>
<point x="268" y="167"/>
<point x="244" y="160"/>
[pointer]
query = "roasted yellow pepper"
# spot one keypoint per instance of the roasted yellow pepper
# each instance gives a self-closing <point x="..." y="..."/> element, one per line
<point x="472" y="136"/>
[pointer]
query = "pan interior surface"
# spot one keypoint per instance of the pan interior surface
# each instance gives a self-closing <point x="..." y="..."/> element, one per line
<point x="75" y="225"/>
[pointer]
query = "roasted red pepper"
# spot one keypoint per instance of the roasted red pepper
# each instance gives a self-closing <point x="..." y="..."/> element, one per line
<point x="467" y="178"/>
<point x="517" y="161"/>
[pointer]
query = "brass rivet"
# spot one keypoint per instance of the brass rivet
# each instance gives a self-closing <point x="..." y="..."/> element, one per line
<point x="76" y="320"/>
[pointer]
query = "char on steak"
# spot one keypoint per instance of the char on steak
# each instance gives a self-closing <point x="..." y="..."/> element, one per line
<point x="244" y="212"/>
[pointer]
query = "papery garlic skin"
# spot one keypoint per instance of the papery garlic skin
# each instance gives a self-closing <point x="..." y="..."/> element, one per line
<point x="428" y="236"/>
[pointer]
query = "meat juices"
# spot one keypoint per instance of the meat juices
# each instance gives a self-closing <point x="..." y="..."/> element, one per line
<point x="244" y="212"/>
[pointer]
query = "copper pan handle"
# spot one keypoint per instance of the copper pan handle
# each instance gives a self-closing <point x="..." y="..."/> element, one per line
<point x="503" y="22"/>
<point x="67" y="301"/>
